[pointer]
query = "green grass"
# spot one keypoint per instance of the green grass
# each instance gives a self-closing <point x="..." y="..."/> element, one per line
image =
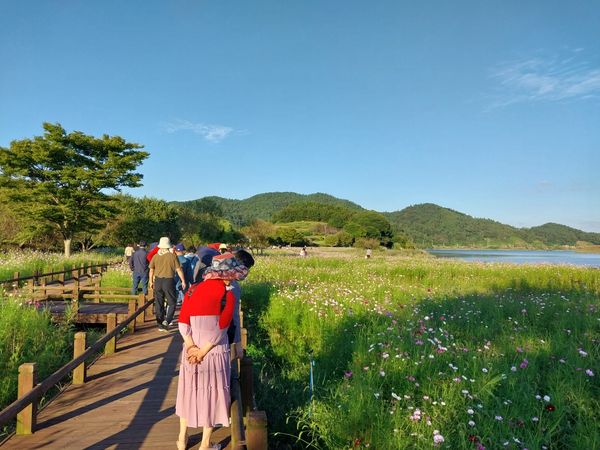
<point x="459" y="342"/>
<point x="28" y="263"/>
<point x="118" y="276"/>
<point x="28" y="335"/>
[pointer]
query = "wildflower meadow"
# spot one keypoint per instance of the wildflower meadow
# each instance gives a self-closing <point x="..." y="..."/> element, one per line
<point x="28" y="262"/>
<point x="417" y="353"/>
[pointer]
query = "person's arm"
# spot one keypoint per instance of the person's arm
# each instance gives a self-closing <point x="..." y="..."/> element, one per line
<point x="151" y="278"/>
<point x="227" y="313"/>
<point x="182" y="278"/>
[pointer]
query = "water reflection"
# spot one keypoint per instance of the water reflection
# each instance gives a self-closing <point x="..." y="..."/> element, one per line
<point x="523" y="256"/>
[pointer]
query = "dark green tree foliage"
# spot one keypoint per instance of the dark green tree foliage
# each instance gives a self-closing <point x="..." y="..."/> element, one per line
<point x="259" y="234"/>
<point x="206" y="205"/>
<point x="431" y="225"/>
<point x="370" y="224"/>
<point x="289" y="236"/>
<point x="315" y="212"/>
<point x="61" y="178"/>
<point x="144" y="219"/>
<point x="263" y="206"/>
<point x="339" y="239"/>
<point x="556" y="234"/>
<point x="197" y="227"/>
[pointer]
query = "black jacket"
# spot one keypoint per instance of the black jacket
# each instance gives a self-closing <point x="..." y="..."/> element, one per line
<point x="138" y="262"/>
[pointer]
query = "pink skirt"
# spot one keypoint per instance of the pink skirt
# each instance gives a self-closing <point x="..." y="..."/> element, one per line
<point x="203" y="396"/>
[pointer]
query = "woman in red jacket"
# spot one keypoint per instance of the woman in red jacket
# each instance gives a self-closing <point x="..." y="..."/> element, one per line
<point x="203" y="397"/>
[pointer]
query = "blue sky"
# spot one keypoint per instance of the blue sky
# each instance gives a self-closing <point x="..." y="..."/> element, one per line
<point x="488" y="108"/>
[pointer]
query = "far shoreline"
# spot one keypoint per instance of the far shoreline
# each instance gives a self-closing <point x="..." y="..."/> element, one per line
<point x="591" y="249"/>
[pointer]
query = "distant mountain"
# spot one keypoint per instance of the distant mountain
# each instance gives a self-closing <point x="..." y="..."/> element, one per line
<point x="556" y="234"/>
<point x="426" y="224"/>
<point x="432" y="225"/>
<point x="263" y="206"/>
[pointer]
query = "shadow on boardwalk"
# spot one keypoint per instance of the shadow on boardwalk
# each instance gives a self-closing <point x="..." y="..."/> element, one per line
<point x="128" y="401"/>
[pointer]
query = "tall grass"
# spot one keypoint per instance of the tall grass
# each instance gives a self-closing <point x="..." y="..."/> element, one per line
<point x="417" y="353"/>
<point x="28" y="263"/>
<point x="29" y="335"/>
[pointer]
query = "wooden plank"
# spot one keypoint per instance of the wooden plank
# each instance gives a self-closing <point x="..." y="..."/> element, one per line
<point x="127" y="401"/>
<point x="101" y="296"/>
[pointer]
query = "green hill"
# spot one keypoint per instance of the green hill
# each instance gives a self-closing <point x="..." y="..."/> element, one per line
<point x="432" y="225"/>
<point x="556" y="234"/>
<point x="426" y="224"/>
<point x="263" y="206"/>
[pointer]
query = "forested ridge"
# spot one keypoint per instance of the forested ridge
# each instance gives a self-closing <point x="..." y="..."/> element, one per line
<point x="425" y="225"/>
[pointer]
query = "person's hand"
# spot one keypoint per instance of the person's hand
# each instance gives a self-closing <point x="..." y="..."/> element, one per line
<point x="151" y="284"/>
<point x="183" y="285"/>
<point x="239" y="351"/>
<point x="194" y="355"/>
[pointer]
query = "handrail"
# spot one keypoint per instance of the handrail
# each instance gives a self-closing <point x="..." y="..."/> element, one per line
<point x="42" y="275"/>
<point x="11" y="411"/>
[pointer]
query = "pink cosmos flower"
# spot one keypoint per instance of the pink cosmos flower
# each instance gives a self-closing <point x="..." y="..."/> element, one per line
<point x="524" y="364"/>
<point x="437" y="438"/>
<point x="589" y="372"/>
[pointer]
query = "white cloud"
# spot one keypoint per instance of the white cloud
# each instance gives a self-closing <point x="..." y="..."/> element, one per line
<point x="567" y="77"/>
<point x="212" y="133"/>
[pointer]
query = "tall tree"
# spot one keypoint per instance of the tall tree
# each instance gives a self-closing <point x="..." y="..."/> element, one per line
<point x="61" y="178"/>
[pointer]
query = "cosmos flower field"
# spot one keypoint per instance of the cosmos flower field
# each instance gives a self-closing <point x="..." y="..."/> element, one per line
<point x="418" y="353"/>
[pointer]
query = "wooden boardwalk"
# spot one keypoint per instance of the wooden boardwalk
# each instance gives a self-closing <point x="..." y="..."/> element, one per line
<point x="128" y="401"/>
<point x="88" y="312"/>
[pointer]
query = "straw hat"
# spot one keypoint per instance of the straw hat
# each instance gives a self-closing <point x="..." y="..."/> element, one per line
<point x="225" y="267"/>
<point x="165" y="242"/>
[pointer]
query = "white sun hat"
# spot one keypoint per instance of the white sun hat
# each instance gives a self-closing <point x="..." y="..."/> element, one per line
<point x="165" y="242"/>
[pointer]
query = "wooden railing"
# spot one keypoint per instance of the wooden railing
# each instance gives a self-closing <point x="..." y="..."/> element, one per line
<point x="248" y="425"/>
<point x="59" y="276"/>
<point x="24" y="408"/>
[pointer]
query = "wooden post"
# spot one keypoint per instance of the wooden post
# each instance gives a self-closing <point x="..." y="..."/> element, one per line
<point x="16" y="282"/>
<point x="151" y="313"/>
<point x="130" y="312"/>
<point x="61" y="278"/>
<point x="43" y="287"/>
<point x="237" y="419"/>
<point x="78" y="349"/>
<point x="27" y="380"/>
<point x="256" y="430"/>
<point x="244" y="338"/>
<point x="81" y="270"/>
<point x="75" y="302"/>
<point x="74" y="273"/>
<point x="111" y="324"/>
<point x="246" y="384"/>
<point x="241" y="319"/>
<point x="140" y="302"/>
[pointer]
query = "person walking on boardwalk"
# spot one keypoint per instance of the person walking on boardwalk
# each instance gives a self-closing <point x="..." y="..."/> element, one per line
<point x="187" y="272"/>
<point x="139" y="266"/>
<point x="246" y="259"/>
<point x="128" y="253"/>
<point x="163" y="267"/>
<point x="203" y="396"/>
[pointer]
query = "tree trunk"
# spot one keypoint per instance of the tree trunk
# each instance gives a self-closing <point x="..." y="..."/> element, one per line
<point x="67" y="248"/>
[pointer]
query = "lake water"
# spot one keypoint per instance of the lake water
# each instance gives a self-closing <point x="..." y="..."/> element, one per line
<point x="523" y="256"/>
